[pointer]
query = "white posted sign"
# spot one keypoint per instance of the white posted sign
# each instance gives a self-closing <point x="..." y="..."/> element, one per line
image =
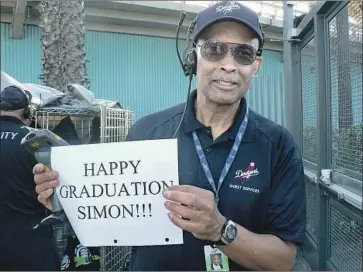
<point x="112" y="192"/>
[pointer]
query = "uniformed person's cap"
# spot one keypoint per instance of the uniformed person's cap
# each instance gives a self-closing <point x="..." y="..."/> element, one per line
<point x="13" y="98"/>
<point x="229" y="11"/>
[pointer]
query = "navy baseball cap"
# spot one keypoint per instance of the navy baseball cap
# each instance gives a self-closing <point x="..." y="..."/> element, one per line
<point x="14" y="98"/>
<point x="229" y="11"/>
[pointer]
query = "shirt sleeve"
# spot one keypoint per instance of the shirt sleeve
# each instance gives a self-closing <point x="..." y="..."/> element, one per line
<point x="286" y="210"/>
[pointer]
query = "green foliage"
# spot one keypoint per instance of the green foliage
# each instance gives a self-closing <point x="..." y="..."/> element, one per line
<point x="310" y="143"/>
<point x="346" y="147"/>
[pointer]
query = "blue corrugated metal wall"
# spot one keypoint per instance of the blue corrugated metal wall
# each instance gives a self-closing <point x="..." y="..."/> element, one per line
<point x="21" y="58"/>
<point x="141" y="72"/>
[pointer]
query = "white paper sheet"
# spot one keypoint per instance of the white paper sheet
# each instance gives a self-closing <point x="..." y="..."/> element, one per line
<point x="118" y="200"/>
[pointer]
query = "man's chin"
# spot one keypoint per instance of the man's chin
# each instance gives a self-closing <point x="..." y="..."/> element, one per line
<point x="225" y="99"/>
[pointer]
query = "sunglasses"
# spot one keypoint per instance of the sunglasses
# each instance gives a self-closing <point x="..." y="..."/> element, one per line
<point x="243" y="54"/>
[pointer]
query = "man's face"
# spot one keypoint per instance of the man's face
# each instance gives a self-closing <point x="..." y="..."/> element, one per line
<point x="216" y="259"/>
<point x="225" y="81"/>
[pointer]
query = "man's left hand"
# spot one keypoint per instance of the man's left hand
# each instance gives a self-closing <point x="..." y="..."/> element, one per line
<point x="195" y="211"/>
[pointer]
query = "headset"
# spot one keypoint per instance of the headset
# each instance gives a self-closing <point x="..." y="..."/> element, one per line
<point x="28" y="111"/>
<point x="189" y="61"/>
<point x="189" y="57"/>
<point x="7" y="106"/>
<point x="262" y="42"/>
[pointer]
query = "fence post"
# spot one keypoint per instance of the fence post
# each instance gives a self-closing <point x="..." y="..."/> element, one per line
<point x="292" y="76"/>
<point x="321" y="52"/>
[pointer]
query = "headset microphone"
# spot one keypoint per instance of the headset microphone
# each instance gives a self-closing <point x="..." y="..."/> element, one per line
<point x="187" y="66"/>
<point x="182" y="17"/>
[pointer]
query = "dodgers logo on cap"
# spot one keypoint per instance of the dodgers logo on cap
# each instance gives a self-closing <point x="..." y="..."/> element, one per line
<point x="230" y="6"/>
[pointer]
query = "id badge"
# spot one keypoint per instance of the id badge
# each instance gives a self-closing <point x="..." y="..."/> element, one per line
<point x="215" y="259"/>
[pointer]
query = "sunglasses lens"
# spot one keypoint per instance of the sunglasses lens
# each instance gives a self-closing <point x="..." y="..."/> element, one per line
<point x="244" y="54"/>
<point x="214" y="51"/>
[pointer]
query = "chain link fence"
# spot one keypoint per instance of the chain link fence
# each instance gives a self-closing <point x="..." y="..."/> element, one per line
<point x="345" y="50"/>
<point x="308" y="83"/>
<point x="345" y="240"/>
<point x="334" y="225"/>
<point x="115" y="258"/>
<point x="312" y="208"/>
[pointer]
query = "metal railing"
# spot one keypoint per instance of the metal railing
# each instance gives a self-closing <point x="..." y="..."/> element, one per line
<point x="324" y="54"/>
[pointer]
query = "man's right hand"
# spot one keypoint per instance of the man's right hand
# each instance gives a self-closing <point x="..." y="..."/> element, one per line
<point x="45" y="182"/>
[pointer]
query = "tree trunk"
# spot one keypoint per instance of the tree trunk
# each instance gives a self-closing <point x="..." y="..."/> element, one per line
<point x="50" y="38"/>
<point x="63" y="44"/>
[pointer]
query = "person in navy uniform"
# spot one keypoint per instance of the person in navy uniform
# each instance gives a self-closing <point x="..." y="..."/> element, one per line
<point x="21" y="247"/>
<point x="241" y="175"/>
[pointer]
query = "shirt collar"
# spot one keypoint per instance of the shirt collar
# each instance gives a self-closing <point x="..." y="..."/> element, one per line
<point x="190" y="122"/>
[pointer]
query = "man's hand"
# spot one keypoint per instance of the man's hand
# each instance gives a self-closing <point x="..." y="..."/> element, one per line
<point x="46" y="181"/>
<point x="195" y="211"/>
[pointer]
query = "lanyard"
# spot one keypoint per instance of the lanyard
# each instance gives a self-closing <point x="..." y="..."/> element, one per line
<point x="230" y="158"/>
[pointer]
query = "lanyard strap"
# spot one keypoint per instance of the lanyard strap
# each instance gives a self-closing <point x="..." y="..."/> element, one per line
<point x="230" y="158"/>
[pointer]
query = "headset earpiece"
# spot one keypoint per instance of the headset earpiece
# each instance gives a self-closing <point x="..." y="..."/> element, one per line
<point x="27" y="111"/>
<point x="259" y="52"/>
<point x="189" y="56"/>
<point x="190" y="60"/>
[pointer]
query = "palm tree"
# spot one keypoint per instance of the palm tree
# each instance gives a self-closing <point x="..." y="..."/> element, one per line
<point x="63" y="44"/>
<point x="63" y="60"/>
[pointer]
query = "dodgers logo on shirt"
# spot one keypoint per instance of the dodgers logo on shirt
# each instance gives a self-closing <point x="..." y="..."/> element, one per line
<point x="243" y="176"/>
<point x="249" y="172"/>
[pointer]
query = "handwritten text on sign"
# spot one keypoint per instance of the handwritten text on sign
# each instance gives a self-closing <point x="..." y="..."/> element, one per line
<point x="112" y="193"/>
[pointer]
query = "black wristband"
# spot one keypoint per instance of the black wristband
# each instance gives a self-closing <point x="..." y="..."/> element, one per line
<point x="214" y="244"/>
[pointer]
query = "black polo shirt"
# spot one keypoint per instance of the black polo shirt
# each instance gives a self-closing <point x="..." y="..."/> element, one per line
<point x="19" y="207"/>
<point x="264" y="190"/>
<point x="18" y="198"/>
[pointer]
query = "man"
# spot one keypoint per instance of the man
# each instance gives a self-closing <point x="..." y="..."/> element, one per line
<point x="21" y="247"/>
<point x="257" y="217"/>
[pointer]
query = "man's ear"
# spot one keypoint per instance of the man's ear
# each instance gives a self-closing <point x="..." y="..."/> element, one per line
<point x="257" y="65"/>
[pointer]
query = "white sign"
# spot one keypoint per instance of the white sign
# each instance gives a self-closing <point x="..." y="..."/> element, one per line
<point x="112" y="192"/>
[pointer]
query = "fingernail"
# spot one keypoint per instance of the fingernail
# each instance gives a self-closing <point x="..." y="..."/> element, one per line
<point x="166" y="194"/>
<point x="36" y="168"/>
